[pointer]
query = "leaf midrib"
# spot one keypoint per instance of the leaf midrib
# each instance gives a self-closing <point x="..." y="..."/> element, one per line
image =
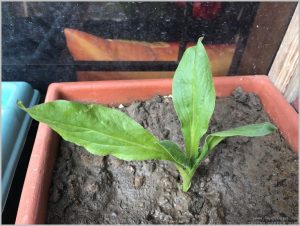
<point x="111" y="145"/>
<point x="193" y="107"/>
<point x="104" y="134"/>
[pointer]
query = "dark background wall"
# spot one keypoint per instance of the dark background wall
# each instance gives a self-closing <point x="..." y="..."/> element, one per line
<point x="34" y="47"/>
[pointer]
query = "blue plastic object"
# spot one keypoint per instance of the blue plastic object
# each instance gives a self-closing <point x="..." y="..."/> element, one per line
<point x="15" y="126"/>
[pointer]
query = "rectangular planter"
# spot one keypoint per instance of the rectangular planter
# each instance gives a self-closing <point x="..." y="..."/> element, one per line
<point x="33" y="203"/>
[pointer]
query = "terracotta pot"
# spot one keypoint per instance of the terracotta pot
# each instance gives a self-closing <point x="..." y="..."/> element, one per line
<point x="33" y="202"/>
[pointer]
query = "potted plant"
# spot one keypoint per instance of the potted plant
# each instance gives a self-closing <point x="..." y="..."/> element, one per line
<point x="105" y="131"/>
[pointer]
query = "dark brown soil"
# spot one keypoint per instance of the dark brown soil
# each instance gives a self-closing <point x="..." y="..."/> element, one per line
<point x="245" y="180"/>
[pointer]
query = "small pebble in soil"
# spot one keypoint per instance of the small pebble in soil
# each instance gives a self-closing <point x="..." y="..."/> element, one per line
<point x="206" y="161"/>
<point x="131" y="169"/>
<point x="138" y="181"/>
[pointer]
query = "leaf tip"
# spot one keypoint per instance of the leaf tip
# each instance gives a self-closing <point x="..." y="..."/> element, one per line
<point x="21" y="105"/>
<point x="200" y="39"/>
<point x="272" y="127"/>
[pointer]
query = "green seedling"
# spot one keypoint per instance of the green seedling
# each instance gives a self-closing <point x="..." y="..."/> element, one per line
<point x="106" y="131"/>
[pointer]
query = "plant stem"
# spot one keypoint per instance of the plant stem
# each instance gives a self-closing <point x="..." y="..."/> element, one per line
<point x="186" y="183"/>
<point x="188" y="173"/>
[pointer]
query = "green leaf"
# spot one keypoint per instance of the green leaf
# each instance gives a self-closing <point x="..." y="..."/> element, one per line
<point x="175" y="151"/>
<point x="102" y="130"/>
<point x="193" y="96"/>
<point x="253" y="130"/>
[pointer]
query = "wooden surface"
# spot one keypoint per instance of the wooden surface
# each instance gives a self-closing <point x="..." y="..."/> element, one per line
<point x="284" y="72"/>
<point x="266" y="34"/>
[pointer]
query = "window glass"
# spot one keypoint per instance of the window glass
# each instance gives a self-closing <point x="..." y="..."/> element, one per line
<point x="44" y="42"/>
